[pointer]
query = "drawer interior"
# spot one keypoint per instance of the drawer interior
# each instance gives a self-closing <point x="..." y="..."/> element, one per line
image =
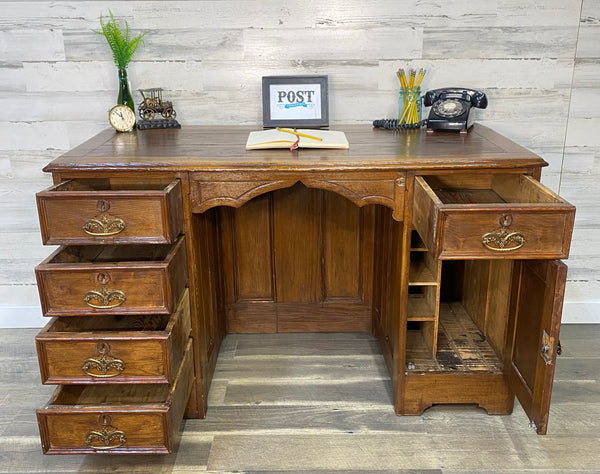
<point x="111" y="323"/>
<point x="112" y="184"/>
<point x="489" y="189"/>
<point x="111" y="395"/>
<point x="111" y="253"/>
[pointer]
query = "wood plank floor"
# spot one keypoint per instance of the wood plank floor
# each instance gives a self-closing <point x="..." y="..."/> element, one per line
<point x="321" y="403"/>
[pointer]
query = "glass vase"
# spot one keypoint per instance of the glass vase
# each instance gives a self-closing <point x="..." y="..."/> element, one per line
<point x="125" y="97"/>
<point x="409" y="106"/>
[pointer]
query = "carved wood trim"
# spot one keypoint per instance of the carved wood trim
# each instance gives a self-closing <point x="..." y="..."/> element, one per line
<point x="209" y="194"/>
<point x="388" y="192"/>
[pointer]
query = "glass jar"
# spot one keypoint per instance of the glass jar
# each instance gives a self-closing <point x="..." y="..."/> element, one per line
<point x="409" y="106"/>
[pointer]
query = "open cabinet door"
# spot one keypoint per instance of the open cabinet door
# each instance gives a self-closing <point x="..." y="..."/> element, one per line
<point x="532" y="337"/>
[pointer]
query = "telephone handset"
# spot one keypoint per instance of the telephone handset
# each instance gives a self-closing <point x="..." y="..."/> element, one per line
<point x="450" y="107"/>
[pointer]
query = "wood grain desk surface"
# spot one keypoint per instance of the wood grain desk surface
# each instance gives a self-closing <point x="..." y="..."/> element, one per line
<point x="220" y="148"/>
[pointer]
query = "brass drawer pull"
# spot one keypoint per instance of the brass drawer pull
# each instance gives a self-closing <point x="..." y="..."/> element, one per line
<point x="503" y="240"/>
<point x="103" y="226"/>
<point x="107" y="435"/>
<point x="103" y="364"/>
<point x="500" y="241"/>
<point x="105" y="298"/>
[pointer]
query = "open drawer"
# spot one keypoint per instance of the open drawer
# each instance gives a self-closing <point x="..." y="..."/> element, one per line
<point x="113" y="279"/>
<point x="114" y="349"/>
<point x="462" y="216"/>
<point x="103" y="211"/>
<point x="116" y="419"/>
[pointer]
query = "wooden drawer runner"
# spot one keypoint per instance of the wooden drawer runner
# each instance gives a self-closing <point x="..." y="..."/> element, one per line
<point x="491" y="216"/>
<point x="116" y="419"/>
<point x="114" y="349"/>
<point x="114" y="279"/>
<point x="106" y="211"/>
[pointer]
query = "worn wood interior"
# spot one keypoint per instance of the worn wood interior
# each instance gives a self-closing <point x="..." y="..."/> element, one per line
<point x="461" y="346"/>
<point x="489" y="189"/>
<point x="111" y="394"/>
<point x="112" y="184"/>
<point x="473" y="314"/>
<point x="112" y="253"/>
<point x="150" y="322"/>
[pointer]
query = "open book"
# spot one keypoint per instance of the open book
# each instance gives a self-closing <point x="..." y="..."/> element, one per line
<point x="278" y="138"/>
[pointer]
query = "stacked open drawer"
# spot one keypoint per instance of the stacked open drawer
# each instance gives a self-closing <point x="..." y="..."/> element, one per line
<point x="118" y="344"/>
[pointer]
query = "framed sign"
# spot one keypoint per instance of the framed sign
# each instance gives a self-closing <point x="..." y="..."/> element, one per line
<point x="295" y="101"/>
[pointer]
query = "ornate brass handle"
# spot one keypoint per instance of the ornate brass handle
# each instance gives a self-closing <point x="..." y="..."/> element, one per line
<point x="104" y="299"/>
<point x="103" y="364"/>
<point x="107" y="435"/>
<point x="104" y="225"/>
<point x="503" y="240"/>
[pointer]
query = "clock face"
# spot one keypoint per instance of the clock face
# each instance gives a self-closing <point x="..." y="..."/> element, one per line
<point x="121" y="118"/>
<point x="449" y="108"/>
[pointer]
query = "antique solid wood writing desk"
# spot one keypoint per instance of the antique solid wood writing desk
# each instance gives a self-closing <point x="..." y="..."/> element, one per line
<point x="444" y="246"/>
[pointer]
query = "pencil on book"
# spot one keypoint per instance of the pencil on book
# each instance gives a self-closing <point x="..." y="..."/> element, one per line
<point x="293" y="132"/>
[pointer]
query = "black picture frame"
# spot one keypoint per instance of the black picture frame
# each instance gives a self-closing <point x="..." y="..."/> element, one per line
<point x="295" y="101"/>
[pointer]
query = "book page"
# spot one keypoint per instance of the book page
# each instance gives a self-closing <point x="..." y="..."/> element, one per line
<point x="275" y="138"/>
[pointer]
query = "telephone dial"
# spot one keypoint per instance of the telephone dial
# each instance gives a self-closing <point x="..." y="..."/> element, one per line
<point x="450" y="107"/>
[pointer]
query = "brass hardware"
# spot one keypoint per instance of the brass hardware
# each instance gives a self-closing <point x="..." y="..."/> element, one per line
<point x="500" y="240"/>
<point x="103" y="364"/>
<point x="547" y="348"/>
<point x="506" y="220"/>
<point x="104" y="299"/>
<point x="103" y="278"/>
<point x="105" y="436"/>
<point x="103" y="205"/>
<point x="104" y="225"/>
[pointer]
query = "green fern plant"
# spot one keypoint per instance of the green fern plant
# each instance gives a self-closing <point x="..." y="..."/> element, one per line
<point x="123" y="47"/>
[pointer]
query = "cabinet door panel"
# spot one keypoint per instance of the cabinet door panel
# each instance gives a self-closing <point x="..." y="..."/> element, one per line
<point x="252" y="250"/>
<point x="342" y="238"/>
<point x="297" y="238"/>
<point x="534" y="325"/>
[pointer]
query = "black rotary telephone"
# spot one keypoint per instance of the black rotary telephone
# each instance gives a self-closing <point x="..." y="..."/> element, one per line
<point x="450" y="107"/>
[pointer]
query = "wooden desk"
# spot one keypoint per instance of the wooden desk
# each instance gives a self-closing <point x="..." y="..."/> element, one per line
<point x="444" y="246"/>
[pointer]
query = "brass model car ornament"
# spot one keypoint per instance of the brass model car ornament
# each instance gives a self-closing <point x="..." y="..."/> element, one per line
<point x="155" y="112"/>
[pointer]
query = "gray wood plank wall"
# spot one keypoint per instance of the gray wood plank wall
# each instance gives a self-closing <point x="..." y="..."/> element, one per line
<point x="538" y="61"/>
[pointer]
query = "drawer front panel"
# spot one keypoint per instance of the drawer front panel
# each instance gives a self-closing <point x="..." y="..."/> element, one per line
<point x="87" y="433"/>
<point x="125" y="287"/>
<point x="102" y="217"/>
<point x="70" y="352"/>
<point x="491" y="217"/>
<point x="479" y="234"/>
<point x="118" y="419"/>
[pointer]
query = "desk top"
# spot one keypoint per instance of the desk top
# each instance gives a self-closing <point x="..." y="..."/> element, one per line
<point x="195" y="148"/>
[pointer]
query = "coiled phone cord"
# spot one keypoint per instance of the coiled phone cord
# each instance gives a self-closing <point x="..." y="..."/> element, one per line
<point x="392" y="124"/>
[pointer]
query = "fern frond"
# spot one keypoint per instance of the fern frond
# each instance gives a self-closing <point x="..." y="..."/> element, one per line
<point x="120" y="43"/>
